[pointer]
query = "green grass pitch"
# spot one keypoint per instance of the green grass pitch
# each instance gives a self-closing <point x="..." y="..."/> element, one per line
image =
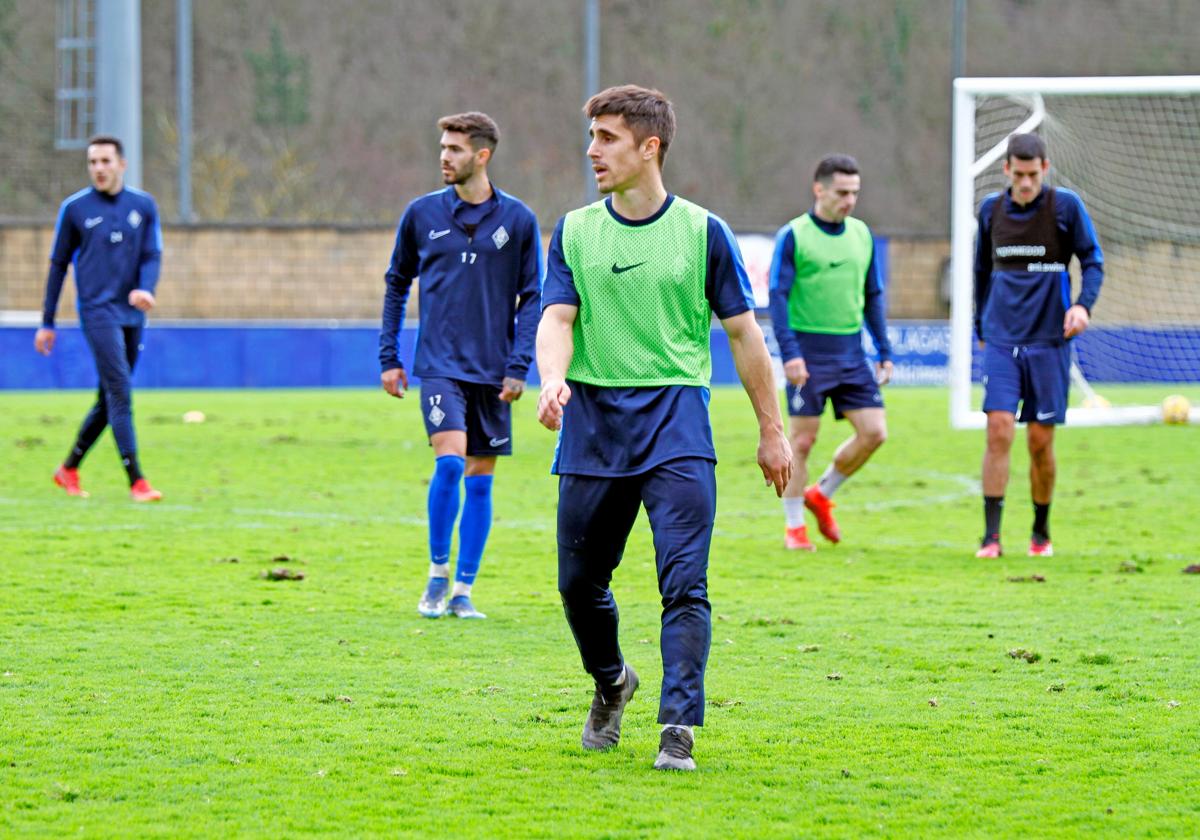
<point x="151" y="686"/>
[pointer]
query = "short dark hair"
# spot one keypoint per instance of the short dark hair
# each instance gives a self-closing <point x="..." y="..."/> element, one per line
<point x="1025" y="147"/>
<point x="107" y="140"/>
<point x="834" y="163"/>
<point x="478" y="126"/>
<point x="647" y="112"/>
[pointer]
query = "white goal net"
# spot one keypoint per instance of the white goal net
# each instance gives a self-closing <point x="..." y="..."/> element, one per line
<point x="1130" y="147"/>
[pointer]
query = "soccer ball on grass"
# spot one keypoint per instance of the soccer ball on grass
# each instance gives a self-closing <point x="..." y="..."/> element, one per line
<point x="1176" y="409"/>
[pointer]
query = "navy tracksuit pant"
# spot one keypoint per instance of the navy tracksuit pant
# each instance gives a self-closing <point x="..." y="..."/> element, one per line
<point x="115" y="349"/>
<point x="595" y="516"/>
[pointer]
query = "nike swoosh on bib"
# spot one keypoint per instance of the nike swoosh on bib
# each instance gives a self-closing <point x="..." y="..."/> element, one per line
<point x="618" y="269"/>
<point x="836" y="263"/>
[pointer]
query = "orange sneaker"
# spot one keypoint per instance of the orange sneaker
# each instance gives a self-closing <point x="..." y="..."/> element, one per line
<point x="797" y="539"/>
<point x="68" y="479"/>
<point x="141" y="491"/>
<point x="989" y="550"/>
<point x="822" y="508"/>
<point x="1037" y="548"/>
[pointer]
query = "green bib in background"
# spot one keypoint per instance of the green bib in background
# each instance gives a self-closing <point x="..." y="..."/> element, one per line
<point x="828" y="293"/>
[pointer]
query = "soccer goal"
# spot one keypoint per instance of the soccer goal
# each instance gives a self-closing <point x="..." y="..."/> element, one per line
<point x="1130" y="147"/>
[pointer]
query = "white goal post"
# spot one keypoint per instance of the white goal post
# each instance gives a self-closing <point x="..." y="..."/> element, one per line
<point x="1151" y="238"/>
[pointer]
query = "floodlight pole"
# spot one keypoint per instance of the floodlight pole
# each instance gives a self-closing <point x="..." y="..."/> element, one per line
<point x="591" y="84"/>
<point x="119" y="79"/>
<point x="183" y="104"/>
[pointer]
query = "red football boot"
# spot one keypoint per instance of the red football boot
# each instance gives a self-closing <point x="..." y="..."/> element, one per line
<point x="989" y="550"/>
<point x="822" y="508"/>
<point x="141" y="491"/>
<point x="797" y="539"/>
<point x="68" y="479"/>
<point x="1038" y="548"/>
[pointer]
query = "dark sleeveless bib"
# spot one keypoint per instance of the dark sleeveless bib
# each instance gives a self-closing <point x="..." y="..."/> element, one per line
<point x="1033" y="244"/>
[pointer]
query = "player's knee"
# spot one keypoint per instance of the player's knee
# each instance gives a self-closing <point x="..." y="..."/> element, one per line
<point x="691" y="597"/>
<point x="1041" y="446"/>
<point x="999" y="435"/>
<point x="575" y="585"/>
<point x="873" y="438"/>
<point x="802" y="443"/>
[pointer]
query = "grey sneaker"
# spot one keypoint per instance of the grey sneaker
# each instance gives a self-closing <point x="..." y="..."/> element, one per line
<point x="433" y="602"/>
<point x="675" y="749"/>
<point x="461" y="607"/>
<point x="602" y="729"/>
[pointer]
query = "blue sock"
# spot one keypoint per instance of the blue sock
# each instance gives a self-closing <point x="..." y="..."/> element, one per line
<point x="443" y="505"/>
<point x="473" y="530"/>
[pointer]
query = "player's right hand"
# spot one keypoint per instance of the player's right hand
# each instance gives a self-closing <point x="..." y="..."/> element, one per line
<point x="394" y="381"/>
<point x="796" y="371"/>
<point x="555" y="394"/>
<point x="43" y="340"/>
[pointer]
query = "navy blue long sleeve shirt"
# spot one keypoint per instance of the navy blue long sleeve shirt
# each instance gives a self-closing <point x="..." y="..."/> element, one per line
<point x="798" y="345"/>
<point x="1018" y="307"/>
<point x="480" y="268"/>
<point x="115" y="244"/>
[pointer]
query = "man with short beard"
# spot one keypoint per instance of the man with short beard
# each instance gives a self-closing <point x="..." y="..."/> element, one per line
<point x="477" y="251"/>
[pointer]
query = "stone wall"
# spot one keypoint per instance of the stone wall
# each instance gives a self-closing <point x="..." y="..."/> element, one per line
<point x="286" y="272"/>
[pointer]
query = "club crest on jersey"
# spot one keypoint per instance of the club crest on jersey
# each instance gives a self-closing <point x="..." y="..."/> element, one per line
<point x="500" y="237"/>
<point x="134" y="218"/>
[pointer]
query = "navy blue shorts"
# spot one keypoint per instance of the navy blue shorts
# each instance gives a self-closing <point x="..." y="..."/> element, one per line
<point x="451" y="405"/>
<point x="849" y="384"/>
<point x="1036" y="375"/>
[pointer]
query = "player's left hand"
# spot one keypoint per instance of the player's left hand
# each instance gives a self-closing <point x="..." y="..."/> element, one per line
<point x="775" y="459"/>
<point x="1075" y="321"/>
<point x="141" y="300"/>
<point x="512" y="389"/>
<point x="883" y="372"/>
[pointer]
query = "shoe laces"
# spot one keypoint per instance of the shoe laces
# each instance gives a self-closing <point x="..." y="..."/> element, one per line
<point x="676" y="743"/>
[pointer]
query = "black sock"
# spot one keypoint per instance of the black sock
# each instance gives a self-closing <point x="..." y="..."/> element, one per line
<point x="993" y="509"/>
<point x="132" y="468"/>
<point x="73" y="460"/>
<point x="1041" y="522"/>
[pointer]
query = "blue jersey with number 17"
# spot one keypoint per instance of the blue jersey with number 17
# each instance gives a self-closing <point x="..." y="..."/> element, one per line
<point x="480" y="270"/>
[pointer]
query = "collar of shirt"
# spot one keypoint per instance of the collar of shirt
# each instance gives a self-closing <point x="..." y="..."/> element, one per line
<point x="110" y="197"/>
<point x="466" y="213"/>
<point x="1011" y="206"/>
<point x="832" y="228"/>
<point x="639" y="222"/>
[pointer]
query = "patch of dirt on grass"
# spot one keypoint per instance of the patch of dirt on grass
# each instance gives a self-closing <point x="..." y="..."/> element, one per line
<point x="1022" y="653"/>
<point x="282" y="573"/>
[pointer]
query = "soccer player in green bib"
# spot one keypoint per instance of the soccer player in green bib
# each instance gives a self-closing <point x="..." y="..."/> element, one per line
<point x="824" y="286"/>
<point x="632" y="283"/>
